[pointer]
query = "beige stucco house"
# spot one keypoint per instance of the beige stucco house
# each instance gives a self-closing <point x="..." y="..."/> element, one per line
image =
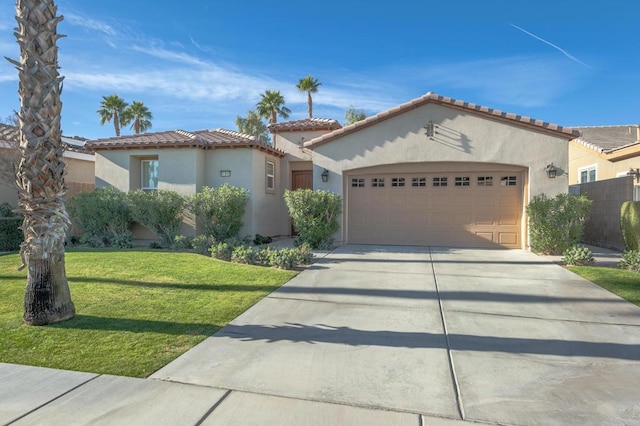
<point x="604" y="152"/>
<point x="432" y="171"/>
<point x="79" y="165"/>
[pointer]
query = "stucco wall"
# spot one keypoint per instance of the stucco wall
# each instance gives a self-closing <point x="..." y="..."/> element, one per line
<point x="267" y="205"/>
<point x="581" y="156"/>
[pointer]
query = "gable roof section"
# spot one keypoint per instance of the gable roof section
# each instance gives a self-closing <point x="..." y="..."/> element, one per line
<point x="306" y="124"/>
<point x="606" y="139"/>
<point x="205" y="139"/>
<point x="433" y="98"/>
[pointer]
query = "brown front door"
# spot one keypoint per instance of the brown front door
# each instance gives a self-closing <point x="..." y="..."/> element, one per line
<point x="301" y="179"/>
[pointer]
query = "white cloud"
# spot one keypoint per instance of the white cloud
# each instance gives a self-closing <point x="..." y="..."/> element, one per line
<point x="558" y="48"/>
<point x="85" y="22"/>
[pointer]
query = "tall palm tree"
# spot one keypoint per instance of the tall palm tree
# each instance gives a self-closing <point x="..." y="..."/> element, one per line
<point x="40" y="175"/>
<point x="111" y="108"/>
<point x="309" y="85"/>
<point x="271" y="105"/>
<point x="138" y="114"/>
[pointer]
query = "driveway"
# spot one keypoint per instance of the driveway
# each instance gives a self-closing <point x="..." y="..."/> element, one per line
<point x="406" y="336"/>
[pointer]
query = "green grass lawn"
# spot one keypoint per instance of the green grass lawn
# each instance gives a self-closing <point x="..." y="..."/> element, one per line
<point x="135" y="310"/>
<point x="625" y="284"/>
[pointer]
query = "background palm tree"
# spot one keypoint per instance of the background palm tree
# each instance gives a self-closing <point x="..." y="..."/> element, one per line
<point x="253" y="125"/>
<point x="41" y="171"/>
<point x="139" y="115"/>
<point x="309" y="85"/>
<point x="111" y="108"/>
<point x="271" y="105"/>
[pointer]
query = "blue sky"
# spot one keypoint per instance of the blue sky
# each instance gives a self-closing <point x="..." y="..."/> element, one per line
<point x="199" y="64"/>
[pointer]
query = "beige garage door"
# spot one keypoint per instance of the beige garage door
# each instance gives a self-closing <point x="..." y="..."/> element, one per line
<point x="460" y="209"/>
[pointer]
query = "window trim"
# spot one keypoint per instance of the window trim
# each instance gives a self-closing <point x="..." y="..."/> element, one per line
<point x="587" y="169"/>
<point x="143" y="161"/>
<point x="269" y="189"/>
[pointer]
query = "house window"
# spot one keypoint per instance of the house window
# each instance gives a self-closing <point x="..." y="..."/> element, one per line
<point x="485" y="180"/>
<point x="462" y="181"/>
<point x="508" y="181"/>
<point x="397" y="181"/>
<point x="418" y="181"/>
<point x="149" y="177"/>
<point x="271" y="176"/>
<point x="439" y="181"/>
<point x="377" y="182"/>
<point x="588" y="174"/>
<point x="357" y="183"/>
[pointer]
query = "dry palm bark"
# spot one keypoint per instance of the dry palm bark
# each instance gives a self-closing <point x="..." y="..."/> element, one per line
<point x="41" y="171"/>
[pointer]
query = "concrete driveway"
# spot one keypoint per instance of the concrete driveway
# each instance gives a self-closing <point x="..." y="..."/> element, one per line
<point x="403" y="336"/>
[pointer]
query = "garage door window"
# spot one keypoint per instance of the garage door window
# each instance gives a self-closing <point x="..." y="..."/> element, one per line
<point x="357" y="183"/>
<point x="508" y="181"/>
<point x="485" y="180"/>
<point x="439" y="181"/>
<point x="462" y="181"/>
<point x="418" y="181"/>
<point x="377" y="182"/>
<point x="397" y="181"/>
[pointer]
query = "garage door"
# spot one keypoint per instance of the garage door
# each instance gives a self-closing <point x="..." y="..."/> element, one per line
<point x="459" y="209"/>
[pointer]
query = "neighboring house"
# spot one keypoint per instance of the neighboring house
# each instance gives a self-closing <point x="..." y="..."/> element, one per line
<point x="186" y="162"/>
<point x="79" y="164"/>
<point x="603" y="152"/>
<point x="432" y="171"/>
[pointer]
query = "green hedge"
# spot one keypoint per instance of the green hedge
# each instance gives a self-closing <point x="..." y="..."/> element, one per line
<point x="314" y="215"/>
<point x="11" y="235"/>
<point x="630" y="224"/>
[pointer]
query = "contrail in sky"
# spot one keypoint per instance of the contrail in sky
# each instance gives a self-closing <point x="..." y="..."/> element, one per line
<point x="564" y="52"/>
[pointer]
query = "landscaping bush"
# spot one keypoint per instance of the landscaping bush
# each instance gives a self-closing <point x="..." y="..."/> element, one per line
<point x="314" y="215"/>
<point x="284" y="258"/>
<point x="202" y="243"/>
<point x="160" y="211"/>
<point x="630" y="224"/>
<point x="180" y="242"/>
<point x="260" y="240"/>
<point x="578" y="256"/>
<point x="11" y="235"/>
<point x="243" y="254"/>
<point x="630" y="260"/>
<point x="221" y="251"/>
<point x="221" y="209"/>
<point x="102" y="215"/>
<point x="556" y="224"/>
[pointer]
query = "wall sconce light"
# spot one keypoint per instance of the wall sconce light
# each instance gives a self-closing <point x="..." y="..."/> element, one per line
<point x="635" y="173"/>
<point x="325" y="175"/>
<point x="430" y="129"/>
<point x="552" y="171"/>
<point x="225" y="173"/>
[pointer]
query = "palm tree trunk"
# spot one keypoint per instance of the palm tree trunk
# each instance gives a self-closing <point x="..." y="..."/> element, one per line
<point x="41" y="171"/>
<point x="116" y="123"/>
<point x="310" y="104"/>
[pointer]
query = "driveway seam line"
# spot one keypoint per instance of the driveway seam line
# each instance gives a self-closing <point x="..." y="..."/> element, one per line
<point x="213" y="407"/>
<point x="454" y="376"/>
<point x="545" y="319"/>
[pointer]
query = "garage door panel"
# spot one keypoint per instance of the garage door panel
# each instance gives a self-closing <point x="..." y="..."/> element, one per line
<point x="486" y="213"/>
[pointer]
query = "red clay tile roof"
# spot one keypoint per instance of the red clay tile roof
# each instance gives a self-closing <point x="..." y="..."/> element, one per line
<point x="434" y="98"/>
<point x="307" y="124"/>
<point x="205" y="139"/>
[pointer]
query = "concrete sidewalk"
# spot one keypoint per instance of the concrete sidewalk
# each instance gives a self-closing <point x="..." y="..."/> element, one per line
<point x="381" y="336"/>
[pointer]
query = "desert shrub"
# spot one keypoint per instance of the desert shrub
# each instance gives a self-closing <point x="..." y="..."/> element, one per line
<point x="314" y="215"/>
<point x="630" y="224"/>
<point x="221" y="210"/>
<point x="578" y="256"/>
<point x="304" y="254"/>
<point x="101" y="215"/>
<point x="260" y="240"/>
<point x="11" y="235"/>
<point x="243" y="254"/>
<point x="160" y="211"/>
<point x="630" y="260"/>
<point x="202" y="243"/>
<point x="181" y="242"/>
<point x="123" y="240"/>
<point x="556" y="223"/>
<point x="284" y="258"/>
<point x="221" y="251"/>
<point x="155" y="245"/>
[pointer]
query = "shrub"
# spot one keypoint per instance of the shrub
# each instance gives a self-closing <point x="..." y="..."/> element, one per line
<point x="260" y="240"/>
<point x="630" y="224"/>
<point x="284" y="258"/>
<point x="557" y="223"/>
<point x="180" y="242"/>
<point x="630" y="260"/>
<point x="578" y="256"/>
<point x="102" y="215"/>
<point x="202" y="243"/>
<point x="155" y="245"/>
<point x="221" y="210"/>
<point x="11" y="235"/>
<point x="314" y="215"/>
<point x="243" y="254"/>
<point x="160" y="211"/>
<point x="221" y="251"/>
<point x="124" y="240"/>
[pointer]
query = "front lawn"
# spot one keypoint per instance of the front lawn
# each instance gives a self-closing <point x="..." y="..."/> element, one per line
<point x="625" y="284"/>
<point x="135" y="310"/>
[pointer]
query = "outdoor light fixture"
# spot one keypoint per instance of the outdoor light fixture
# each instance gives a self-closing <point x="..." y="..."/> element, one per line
<point x="225" y="173"/>
<point x="325" y="175"/>
<point x="552" y="171"/>
<point x="635" y="173"/>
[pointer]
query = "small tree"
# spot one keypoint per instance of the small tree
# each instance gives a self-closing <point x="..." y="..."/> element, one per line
<point x="160" y="211"/>
<point x="221" y="209"/>
<point x="630" y="224"/>
<point x="556" y="224"/>
<point x="314" y="215"/>
<point x="253" y="125"/>
<point x="353" y="115"/>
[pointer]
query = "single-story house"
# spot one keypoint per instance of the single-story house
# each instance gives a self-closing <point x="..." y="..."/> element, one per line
<point x="432" y="171"/>
<point x="79" y="164"/>
<point x="604" y="152"/>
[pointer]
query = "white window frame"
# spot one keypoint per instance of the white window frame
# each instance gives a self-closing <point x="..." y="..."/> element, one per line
<point x="142" y="180"/>
<point x="270" y="176"/>
<point x="587" y="169"/>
